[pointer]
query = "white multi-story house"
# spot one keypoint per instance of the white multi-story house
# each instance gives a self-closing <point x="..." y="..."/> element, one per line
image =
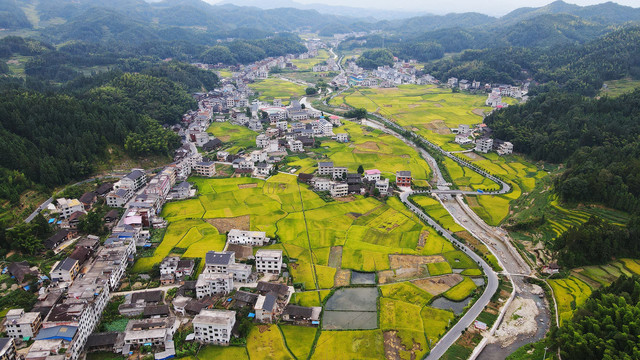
<point x="119" y="197"/>
<point x="214" y="326"/>
<point x="322" y="185"/>
<point x="325" y="168"/>
<point x="69" y="206"/>
<point x="296" y="146"/>
<point x="342" y="137"/>
<point x="339" y="189"/>
<point x="213" y="284"/>
<point x="65" y="270"/>
<point x="262" y="141"/>
<point x="259" y="156"/>
<point x="218" y="262"/>
<point x="339" y="172"/>
<point x="265" y="308"/>
<point x="205" y="168"/>
<point x="372" y="175"/>
<point x="383" y="186"/>
<point x="134" y="180"/>
<point x="22" y="325"/>
<point x="484" y="145"/>
<point x="268" y="261"/>
<point x="463" y="139"/>
<point x="169" y="265"/>
<point x="242" y="237"/>
<point x="505" y="148"/>
<point x="241" y="272"/>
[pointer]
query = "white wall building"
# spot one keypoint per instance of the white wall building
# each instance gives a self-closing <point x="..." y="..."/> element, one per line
<point x="269" y="261"/>
<point x="214" y="326"/>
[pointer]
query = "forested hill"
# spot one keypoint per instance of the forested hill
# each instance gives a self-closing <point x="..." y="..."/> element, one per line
<point x="575" y="68"/>
<point x="606" y="326"/>
<point x="598" y="139"/>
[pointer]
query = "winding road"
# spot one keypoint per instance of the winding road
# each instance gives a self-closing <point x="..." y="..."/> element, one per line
<point x="496" y="239"/>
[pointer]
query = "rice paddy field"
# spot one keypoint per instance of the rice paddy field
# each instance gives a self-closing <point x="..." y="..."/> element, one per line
<point x="436" y="211"/>
<point x="308" y="64"/>
<point x="571" y="292"/>
<point x="234" y="137"/>
<point x="325" y="241"/>
<point x="372" y="149"/>
<point x="616" y="88"/>
<point x="431" y="112"/>
<point x="275" y="88"/>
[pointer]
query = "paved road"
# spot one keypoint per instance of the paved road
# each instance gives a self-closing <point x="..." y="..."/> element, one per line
<point x="163" y="288"/>
<point x="492" y="284"/>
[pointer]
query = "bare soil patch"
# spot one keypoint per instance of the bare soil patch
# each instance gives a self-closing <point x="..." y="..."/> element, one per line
<point x="342" y="278"/>
<point x="346" y="199"/>
<point x="520" y="319"/>
<point x="413" y="106"/>
<point x="439" y="127"/>
<point x="225" y="224"/>
<point x="404" y="261"/>
<point x="478" y="112"/>
<point x="438" y="285"/>
<point x="247" y="186"/>
<point x="224" y="138"/>
<point x="438" y="105"/>
<point x="473" y="156"/>
<point x="335" y="257"/>
<point x="393" y="345"/>
<point x="369" y="145"/>
<point x="423" y="239"/>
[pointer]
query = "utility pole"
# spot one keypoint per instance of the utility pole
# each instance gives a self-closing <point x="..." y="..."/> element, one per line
<point x="545" y="353"/>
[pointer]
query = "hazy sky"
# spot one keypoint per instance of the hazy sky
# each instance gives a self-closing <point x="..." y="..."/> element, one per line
<point x="491" y="7"/>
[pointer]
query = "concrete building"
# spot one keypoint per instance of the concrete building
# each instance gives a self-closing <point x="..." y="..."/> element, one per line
<point x="65" y="270"/>
<point x="325" y="168"/>
<point x="269" y="261"/>
<point x="505" y="148"/>
<point x="134" y="180"/>
<point x="339" y="172"/>
<point x="265" y="308"/>
<point x="149" y="331"/>
<point x="218" y="262"/>
<point x="209" y="284"/>
<point x="22" y="325"/>
<point x="205" y="168"/>
<point x="403" y="178"/>
<point x="69" y="206"/>
<point x="372" y="175"/>
<point x="214" y="326"/>
<point x="339" y="189"/>
<point x="383" y="186"/>
<point x="322" y="185"/>
<point x="119" y="197"/>
<point x="484" y="145"/>
<point x="242" y="237"/>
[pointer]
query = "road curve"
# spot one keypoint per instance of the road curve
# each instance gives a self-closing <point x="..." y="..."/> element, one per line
<point x="492" y="284"/>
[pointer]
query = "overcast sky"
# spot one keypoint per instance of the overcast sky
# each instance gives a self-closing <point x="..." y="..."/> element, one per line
<point x="491" y="7"/>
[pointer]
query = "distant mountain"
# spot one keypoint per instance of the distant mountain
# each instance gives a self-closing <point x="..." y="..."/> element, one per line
<point x="12" y="16"/>
<point x="608" y="13"/>
<point x="354" y="12"/>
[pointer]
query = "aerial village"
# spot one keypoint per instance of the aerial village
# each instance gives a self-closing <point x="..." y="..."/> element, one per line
<point x="237" y="283"/>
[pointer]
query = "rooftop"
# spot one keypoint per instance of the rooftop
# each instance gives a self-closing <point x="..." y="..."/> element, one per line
<point x="215" y="317"/>
<point x="219" y="258"/>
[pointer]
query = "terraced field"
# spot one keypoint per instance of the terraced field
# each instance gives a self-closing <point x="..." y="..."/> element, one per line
<point x="308" y="64"/>
<point x="572" y="291"/>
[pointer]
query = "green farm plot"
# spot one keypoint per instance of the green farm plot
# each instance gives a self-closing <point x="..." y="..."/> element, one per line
<point x="435" y="322"/>
<point x="309" y="298"/>
<point x="461" y="291"/>
<point x="436" y="211"/>
<point x="404" y="318"/>
<point x="234" y="137"/>
<point x="569" y="293"/>
<point x="308" y="64"/>
<point x="266" y="342"/>
<point x="347" y="345"/>
<point x="459" y="260"/>
<point x="439" y="268"/>
<point x="223" y="352"/>
<point x="299" y="339"/>
<point x="616" y="88"/>
<point x="374" y="149"/>
<point x="430" y="110"/>
<point x="406" y="291"/>
<point x="274" y="88"/>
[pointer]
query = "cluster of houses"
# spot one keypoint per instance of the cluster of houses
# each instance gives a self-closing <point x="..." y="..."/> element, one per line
<point x="340" y="183"/>
<point x="480" y="135"/>
<point x="68" y="310"/>
<point x="402" y="72"/>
